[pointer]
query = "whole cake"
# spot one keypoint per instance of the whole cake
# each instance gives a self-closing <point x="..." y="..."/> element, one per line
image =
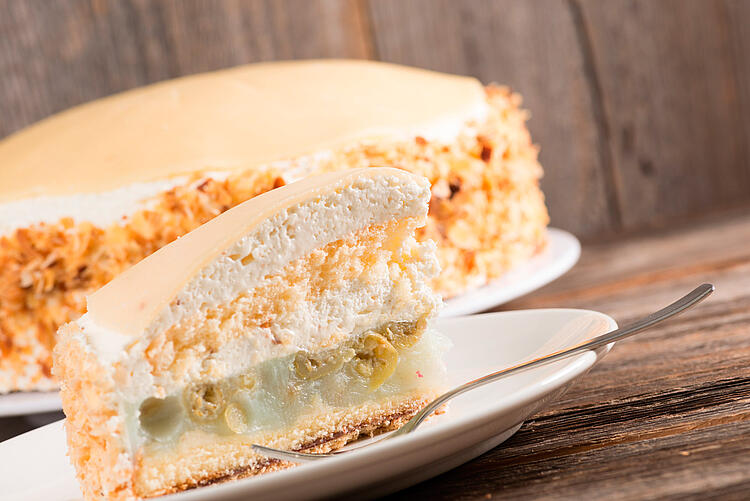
<point x="299" y="319"/>
<point x="88" y="193"/>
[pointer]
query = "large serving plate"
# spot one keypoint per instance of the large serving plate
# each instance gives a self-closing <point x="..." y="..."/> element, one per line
<point x="34" y="465"/>
<point x="560" y="254"/>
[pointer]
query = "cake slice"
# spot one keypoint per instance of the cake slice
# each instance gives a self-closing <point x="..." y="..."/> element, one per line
<point x="300" y="319"/>
<point x="89" y="192"/>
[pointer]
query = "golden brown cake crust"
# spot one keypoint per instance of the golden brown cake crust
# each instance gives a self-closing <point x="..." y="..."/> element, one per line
<point x="47" y="270"/>
<point x="317" y="439"/>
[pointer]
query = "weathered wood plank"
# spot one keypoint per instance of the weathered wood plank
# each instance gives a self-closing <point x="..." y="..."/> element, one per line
<point x="54" y="55"/>
<point x="534" y="48"/>
<point x="697" y="464"/>
<point x="676" y="95"/>
<point x="641" y="272"/>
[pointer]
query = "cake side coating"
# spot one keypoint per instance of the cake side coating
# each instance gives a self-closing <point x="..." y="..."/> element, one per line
<point x="94" y="429"/>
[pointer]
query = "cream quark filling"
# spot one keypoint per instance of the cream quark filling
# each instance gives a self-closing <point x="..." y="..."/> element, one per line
<point x="280" y="393"/>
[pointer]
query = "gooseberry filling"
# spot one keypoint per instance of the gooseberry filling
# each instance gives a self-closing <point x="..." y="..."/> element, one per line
<point x="398" y="358"/>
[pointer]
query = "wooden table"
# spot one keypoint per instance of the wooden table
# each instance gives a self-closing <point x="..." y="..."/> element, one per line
<point x="665" y="415"/>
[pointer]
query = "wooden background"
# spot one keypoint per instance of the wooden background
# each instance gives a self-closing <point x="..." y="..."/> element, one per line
<point x="642" y="108"/>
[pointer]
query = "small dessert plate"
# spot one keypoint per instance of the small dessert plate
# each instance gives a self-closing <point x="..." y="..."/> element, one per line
<point x="474" y="423"/>
<point x="560" y="254"/>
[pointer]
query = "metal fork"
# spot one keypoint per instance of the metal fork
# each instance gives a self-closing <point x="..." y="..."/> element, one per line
<point x="685" y="302"/>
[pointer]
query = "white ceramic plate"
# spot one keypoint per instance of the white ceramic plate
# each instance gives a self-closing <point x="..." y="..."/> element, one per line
<point x="559" y="256"/>
<point x="34" y="466"/>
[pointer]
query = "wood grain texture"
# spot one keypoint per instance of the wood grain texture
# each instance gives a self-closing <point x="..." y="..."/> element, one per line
<point x="666" y="415"/>
<point x="54" y="55"/>
<point x="534" y="48"/>
<point x="644" y="269"/>
<point x="675" y="90"/>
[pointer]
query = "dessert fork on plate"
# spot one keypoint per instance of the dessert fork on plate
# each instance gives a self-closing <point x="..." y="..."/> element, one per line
<point x="682" y="304"/>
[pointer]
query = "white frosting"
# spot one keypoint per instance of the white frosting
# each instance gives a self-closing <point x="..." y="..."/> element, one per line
<point x="347" y="312"/>
<point x="358" y="307"/>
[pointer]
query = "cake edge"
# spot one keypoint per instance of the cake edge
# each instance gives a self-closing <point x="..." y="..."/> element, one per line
<point x="93" y="428"/>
